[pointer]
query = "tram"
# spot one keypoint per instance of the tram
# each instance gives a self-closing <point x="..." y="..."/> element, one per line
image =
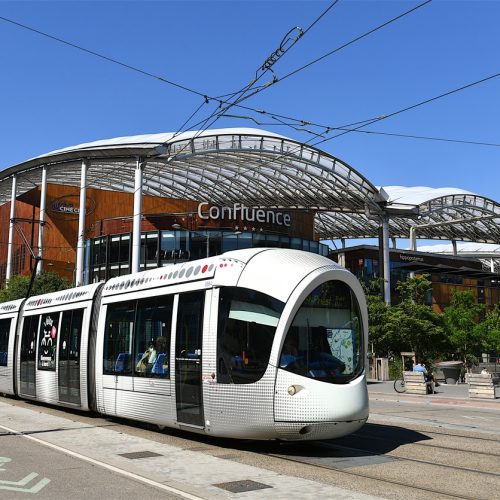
<point x="261" y="343"/>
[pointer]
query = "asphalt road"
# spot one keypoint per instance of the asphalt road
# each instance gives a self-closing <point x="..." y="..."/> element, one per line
<point x="408" y="449"/>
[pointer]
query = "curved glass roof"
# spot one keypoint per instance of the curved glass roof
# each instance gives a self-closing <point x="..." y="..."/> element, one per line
<point x="262" y="169"/>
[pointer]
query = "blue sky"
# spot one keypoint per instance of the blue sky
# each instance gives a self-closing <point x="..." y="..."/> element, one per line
<point x="54" y="96"/>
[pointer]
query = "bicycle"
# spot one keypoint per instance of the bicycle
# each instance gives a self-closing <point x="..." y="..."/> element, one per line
<point x="399" y="385"/>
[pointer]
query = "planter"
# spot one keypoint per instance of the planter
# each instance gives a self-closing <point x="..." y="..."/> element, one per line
<point x="451" y="370"/>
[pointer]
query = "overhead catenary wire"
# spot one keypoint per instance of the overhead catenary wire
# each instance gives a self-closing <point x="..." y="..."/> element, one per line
<point x="102" y="56"/>
<point x="347" y="44"/>
<point x="300" y="128"/>
<point x="413" y="106"/>
<point x="206" y="122"/>
<point x="364" y="123"/>
<point x="239" y="95"/>
<point x="299" y="123"/>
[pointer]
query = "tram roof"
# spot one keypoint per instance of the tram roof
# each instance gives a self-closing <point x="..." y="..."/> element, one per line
<point x="262" y="169"/>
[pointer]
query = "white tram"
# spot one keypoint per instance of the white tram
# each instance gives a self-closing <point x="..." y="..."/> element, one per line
<point x="257" y="343"/>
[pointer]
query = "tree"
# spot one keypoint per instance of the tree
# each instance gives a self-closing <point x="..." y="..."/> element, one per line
<point x="489" y="331"/>
<point x="461" y="318"/>
<point x="409" y="326"/>
<point x="415" y="289"/>
<point x="46" y="282"/>
<point x="417" y="328"/>
<point x="377" y="309"/>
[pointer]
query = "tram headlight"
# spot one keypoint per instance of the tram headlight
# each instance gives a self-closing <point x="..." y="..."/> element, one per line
<point x="292" y="390"/>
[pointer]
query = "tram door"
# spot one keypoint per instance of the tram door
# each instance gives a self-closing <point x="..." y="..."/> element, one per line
<point x="27" y="363"/>
<point x="69" y="356"/>
<point x="188" y="342"/>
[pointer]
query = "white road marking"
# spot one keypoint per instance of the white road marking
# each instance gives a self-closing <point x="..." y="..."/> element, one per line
<point x="131" y="475"/>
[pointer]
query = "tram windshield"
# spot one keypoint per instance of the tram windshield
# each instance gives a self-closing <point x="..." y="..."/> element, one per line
<point x="325" y="340"/>
<point x="247" y="324"/>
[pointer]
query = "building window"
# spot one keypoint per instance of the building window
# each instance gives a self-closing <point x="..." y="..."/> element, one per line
<point x="109" y="256"/>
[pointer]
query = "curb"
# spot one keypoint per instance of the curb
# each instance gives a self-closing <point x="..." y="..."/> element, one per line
<point x="400" y="398"/>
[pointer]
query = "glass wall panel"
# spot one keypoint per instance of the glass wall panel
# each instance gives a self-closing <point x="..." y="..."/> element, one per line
<point x="125" y="251"/>
<point x="229" y="242"/>
<point x="167" y="245"/>
<point x="110" y="255"/>
<point x="258" y="240"/>
<point x="245" y="240"/>
<point x="272" y="240"/>
<point x="114" y="250"/>
<point x="284" y="242"/>
<point x="198" y="245"/>
<point x="152" y="249"/>
<point x="149" y="250"/>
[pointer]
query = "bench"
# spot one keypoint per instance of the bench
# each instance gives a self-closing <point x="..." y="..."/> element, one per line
<point x="484" y="386"/>
<point x="415" y="383"/>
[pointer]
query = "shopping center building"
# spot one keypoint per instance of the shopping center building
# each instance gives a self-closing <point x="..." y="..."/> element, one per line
<point x="122" y="205"/>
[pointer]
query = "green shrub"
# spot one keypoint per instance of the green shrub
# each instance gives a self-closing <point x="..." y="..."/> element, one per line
<point x="395" y="368"/>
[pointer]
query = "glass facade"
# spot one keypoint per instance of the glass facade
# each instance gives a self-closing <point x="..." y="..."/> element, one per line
<point x="109" y="256"/>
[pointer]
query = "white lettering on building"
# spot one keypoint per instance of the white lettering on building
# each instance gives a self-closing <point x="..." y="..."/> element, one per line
<point x="243" y="213"/>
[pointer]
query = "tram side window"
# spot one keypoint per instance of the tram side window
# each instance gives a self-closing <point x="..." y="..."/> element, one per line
<point x="70" y="334"/>
<point x="47" y="341"/>
<point x="190" y="325"/>
<point x="325" y="340"/>
<point x="118" y="338"/>
<point x="246" y="327"/>
<point x="4" y="340"/>
<point x="152" y="337"/>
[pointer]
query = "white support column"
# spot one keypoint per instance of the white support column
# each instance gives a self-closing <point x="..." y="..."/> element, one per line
<point x="80" y="246"/>
<point x="413" y="238"/>
<point x="136" y="231"/>
<point x="492" y="265"/>
<point x="387" y="262"/>
<point x="10" y="247"/>
<point x="341" y="255"/>
<point x="41" y="224"/>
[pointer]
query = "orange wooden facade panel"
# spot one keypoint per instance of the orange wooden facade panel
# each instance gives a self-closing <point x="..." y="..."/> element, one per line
<point x="111" y="212"/>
